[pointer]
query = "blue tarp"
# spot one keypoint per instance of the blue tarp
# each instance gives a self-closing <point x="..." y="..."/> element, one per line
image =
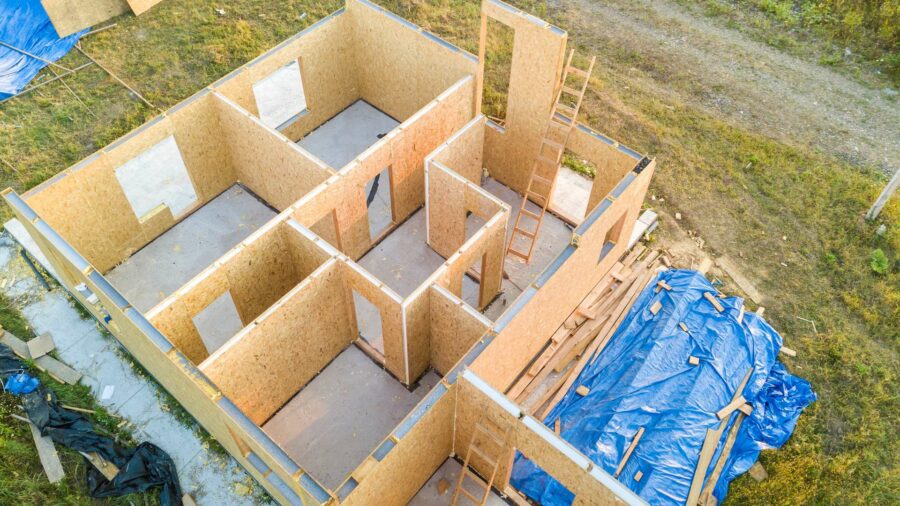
<point x="24" y="24"/>
<point x="643" y="379"/>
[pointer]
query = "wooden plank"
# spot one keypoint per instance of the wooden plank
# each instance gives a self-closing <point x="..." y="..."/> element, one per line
<point x="41" y="345"/>
<point x="106" y="468"/>
<point x="787" y="351"/>
<point x="731" y="407"/>
<point x="627" y="455"/>
<point x="56" y="369"/>
<point x="706" y="495"/>
<point x="693" y="360"/>
<point x="654" y="309"/>
<point x="46" y="452"/>
<point x="714" y="301"/>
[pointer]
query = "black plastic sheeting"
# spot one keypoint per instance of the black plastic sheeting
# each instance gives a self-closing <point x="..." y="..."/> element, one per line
<point x="643" y="379"/>
<point x="140" y="469"/>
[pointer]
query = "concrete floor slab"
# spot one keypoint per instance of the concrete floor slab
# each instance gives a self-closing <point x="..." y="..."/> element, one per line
<point x="183" y="251"/>
<point x="331" y="425"/>
<point x="350" y="132"/>
<point x="571" y="194"/>
<point x="428" y="495"/>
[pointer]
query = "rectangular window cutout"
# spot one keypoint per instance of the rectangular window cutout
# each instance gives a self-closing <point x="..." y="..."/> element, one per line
<point x="498" y="53"/>
<point x="613" y="235"/>
<point x="378" y="202"/>
<point x="157" y="177"/>
<point x="368" y="321"/>
<point x="218" y="322"/>
<point x="279" y="96"/>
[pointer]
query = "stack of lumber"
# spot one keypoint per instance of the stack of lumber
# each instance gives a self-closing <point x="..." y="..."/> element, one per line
<point x="585" y="332"/>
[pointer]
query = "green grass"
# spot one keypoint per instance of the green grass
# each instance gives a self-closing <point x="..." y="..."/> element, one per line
<point x="22" y="479"/>
<point x="739" y="189"/>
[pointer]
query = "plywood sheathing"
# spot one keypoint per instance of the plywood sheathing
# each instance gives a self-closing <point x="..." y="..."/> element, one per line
<point x="327" y="68"/>
<point x="139" y="7"/>
<point x="270" y="165"/>
<point x="256" y="273"/>
<point x="267" y="363"/>
<point x="486" y="245"/>
<point x="88" y="207"/>
<point x="403" y="150"/>
<point x="400" y="68"/>
<point x="70" y="16"/>
<point x="522" y="335"/>
<point x="535" y="441"/>
<point x="454" y="328"/>
<point x="417" y="455"/>
<point x="171" y="368"/>
<point x="535" y="71"/>
<point x="613" y="161"/>
<point x="463" y="153"/>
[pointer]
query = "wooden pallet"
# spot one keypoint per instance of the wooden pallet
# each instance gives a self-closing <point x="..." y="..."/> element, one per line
<point x="542" y="179"/>
<point x="488" y="444"/>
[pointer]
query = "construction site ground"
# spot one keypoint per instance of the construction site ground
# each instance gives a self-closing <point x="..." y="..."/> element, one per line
<point x="766" y="159"/>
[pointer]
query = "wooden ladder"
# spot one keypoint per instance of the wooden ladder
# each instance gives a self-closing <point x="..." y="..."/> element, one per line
<point x="483" y="439"/>
<point x="542" y="179"/>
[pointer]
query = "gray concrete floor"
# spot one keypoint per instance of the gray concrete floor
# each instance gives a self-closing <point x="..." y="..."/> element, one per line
<point x="212" y="479"/>
<point x="428" y="495"/>
<point x="183" y="251"/>
<point x="342" y="138"/>
<point x="571" y="194"/>
<point x="342" y="415"/>
<point x="553" y="238"/>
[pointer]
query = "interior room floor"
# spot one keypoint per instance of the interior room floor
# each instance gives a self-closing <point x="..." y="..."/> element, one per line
<point x="183" y="251"/>
<point x="350" y="132"/>
<point x="552" y="239"/>
<point x="429" y="494"/>
<point x="342" y="415"/>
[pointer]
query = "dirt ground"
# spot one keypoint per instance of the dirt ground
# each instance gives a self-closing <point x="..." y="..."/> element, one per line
<point x="700" y="62"/>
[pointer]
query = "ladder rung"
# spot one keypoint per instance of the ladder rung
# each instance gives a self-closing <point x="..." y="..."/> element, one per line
<point x="568" y="112"/>
<point x="524" y="232"/>
<point x="537" y="195"/>
<point x="549" y="161"/>
<point x="571" y="91"/>
<point x="490" y="460"/>
<point x="519" y="254"/>
<point x="477" y="479"/>
<point x="553" y="144"/>
<point x="542" y="180"/>
<point x="469" y="496"/>
<point x="530" y="214"/>
<point x="577" y="71"/>
<point x="561" y="121"/>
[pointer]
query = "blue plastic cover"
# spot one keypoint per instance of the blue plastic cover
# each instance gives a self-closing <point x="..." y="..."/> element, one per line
<point x="20" y="384"/>
<point x="24" y="24"/>
<point x="643" y="379"/>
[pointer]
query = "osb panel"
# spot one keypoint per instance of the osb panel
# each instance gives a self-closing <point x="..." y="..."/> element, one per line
<point x="307" y="255"/>
<point x="418" y="340"/>
<point x="464" y="153"/>
<point x="327" y="68"/>
<point x="177" y="377"/>
<point x="529" y="330"/>
<point x="175" y="322"/>
<point x="397" y="478"/>
<point x="446" y="211"/>
<point x="89" y="208"/>
<point x="290" y="344"/>
<point x="453" y="330"/>
<point x="612" y="164"/>
<point x="70" y="16"/>
<point x="260" y="274"/>
<point x="141" y="6"/>
<point x="399" y="70"/>
<point x="488" y="244"/>
<point x="535" y="72"/>
<point x="391" y="317"/>
<point x="270" y="165"/>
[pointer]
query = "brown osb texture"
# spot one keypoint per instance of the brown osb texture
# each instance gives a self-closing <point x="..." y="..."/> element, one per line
<point x="70" y="16"/>
<point x="453" y="330"/>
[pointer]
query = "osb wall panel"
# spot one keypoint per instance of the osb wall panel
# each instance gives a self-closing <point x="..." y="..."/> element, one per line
<point x="141" y="6"/>
<point x="399" y="69"/>
<point x="535" y="72"/>
<point x="463" y="153"/>
<point x="88" y="206"/>
<point x="525" y="335"/>
<point x="453" y="329"/>
<point x="273" y="167"/>
<point x="70" y="16"/>
<point x="264" y="367"/>
<point x="397" y="478"/>
<point x="446" y="211"/>
<point x="176" y="375"/>
<point x="389" y="307"/>
<point x="488" y="245"/>
<point x="404" y="151"/>
<point x="612" y="164"/>
<point x="327" y="69"/>
<point x="256" y="273"/>
<point x="474" y="406"/>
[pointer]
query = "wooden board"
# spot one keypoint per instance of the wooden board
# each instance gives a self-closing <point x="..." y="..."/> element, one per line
<point x="41" y="345"/>
<point x="70" y="16"/>
<point x="454" y="329"/>
<point x="56" y="369"/>
<point x="47" y="455"/>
